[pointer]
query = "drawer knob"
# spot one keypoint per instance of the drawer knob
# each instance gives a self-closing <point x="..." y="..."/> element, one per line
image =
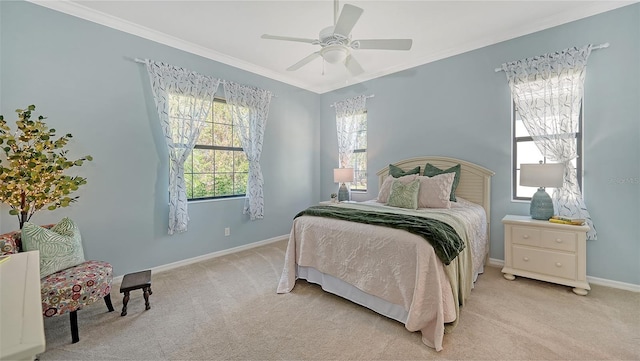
<point x="526" y="236"/>
<point x="525" y="258"/>
<point x="558" y="240"/>
<point x="558" y="264"/>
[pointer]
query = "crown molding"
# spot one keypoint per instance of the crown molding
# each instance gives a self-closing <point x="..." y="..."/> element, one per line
<point x="542" y="24"/>
<point x="83" y="12"/>
<point x="98" y="17"/>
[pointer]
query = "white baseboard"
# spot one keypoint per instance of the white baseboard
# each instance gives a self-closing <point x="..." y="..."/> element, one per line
<point x="594" y="280"/>
<point x="496" y="262"/>
<point x="205" y="257"/>
<point x="613" y="284"/>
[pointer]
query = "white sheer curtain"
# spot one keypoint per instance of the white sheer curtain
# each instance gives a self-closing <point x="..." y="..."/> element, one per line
<point x="249" y="111"/>
<point x="346" y="124"/>
<point x="547" y="91"/>
<point x="183" y="100"/>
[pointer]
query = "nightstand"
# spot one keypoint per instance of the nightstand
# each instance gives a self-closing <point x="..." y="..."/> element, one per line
<point x="546" y="251"/>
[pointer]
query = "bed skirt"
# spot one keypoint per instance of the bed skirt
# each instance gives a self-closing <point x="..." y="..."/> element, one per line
<point x="345" y="290"/>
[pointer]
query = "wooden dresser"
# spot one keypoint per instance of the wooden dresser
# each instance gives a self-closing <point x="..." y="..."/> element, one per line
<point x="546" y="251"/>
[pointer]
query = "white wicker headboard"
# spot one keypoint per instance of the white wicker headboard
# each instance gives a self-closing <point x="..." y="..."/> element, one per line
<point x="475" y="180"/>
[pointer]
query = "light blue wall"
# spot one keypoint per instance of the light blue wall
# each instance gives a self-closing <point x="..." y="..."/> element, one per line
<point x="77" y="74"/>
<point x="460" y="107"/>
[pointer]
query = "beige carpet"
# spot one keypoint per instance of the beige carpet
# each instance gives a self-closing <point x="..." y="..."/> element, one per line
<point x="227" y="309"/>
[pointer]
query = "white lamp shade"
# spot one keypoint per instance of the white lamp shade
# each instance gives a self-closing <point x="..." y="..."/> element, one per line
<point x="542" y="175"/>
<point x="342" y="175"/>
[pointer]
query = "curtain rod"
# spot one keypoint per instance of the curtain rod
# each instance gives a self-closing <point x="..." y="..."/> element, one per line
<point x="367" y="97"/>
<point x="142" y="61"/>
<point x="595" y="47"/>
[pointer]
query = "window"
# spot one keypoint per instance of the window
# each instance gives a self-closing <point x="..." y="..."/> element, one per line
<point x="217" y="166"/>
<point x="359" y="156"/>
<point x="525" y="151"/>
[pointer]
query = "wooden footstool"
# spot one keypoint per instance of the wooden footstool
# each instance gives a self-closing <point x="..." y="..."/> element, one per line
<point x="135" y="281"/>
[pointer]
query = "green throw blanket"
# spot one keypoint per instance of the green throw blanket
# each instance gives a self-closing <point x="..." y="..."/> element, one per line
<point x="444" y="239"/>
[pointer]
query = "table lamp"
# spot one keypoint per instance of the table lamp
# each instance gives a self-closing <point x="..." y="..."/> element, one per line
<point x="541" y="175"/>
<point x="343" y="175"/>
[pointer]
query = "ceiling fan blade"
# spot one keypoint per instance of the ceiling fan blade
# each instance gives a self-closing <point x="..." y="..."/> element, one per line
<point x="304" y="61"/>
<point x="288" y="38"/>
<point x="347" y="19"/>
<point x="353" y="66"/>
<point x="383" y="44"/>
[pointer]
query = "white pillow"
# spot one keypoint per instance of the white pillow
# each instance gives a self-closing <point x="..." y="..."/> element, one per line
<point x="435" y="191"/>
<point x="385" y="188"/>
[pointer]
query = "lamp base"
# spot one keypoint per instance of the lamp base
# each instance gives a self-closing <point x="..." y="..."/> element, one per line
<point x="343" y="193"/>
<point x="541" y="205"/>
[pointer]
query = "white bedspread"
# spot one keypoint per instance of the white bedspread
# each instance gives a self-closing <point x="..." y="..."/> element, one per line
<point x="394" y="265"/>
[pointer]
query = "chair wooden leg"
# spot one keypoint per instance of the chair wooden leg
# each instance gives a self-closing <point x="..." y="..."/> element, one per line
<point x="73" y="317"/>
<point x="107" y="300"/>
<point x="147" y="292"/>
<point x="125" y="300"/>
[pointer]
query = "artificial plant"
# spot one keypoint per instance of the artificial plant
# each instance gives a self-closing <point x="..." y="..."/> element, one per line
<point x="32" y="170"/>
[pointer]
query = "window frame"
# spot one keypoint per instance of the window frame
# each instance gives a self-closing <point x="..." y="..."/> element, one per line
<point x="514" y="152"/>
<point x="361" y="150"/>
<point x="354" y="189"/>
<point x="214" y="147"/>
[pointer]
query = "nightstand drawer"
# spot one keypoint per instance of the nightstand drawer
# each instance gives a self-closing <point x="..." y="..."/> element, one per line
<point x="526" y="235"/>
<point x="550" y="239"/>
<point x="564" y="241"/>
<point x="545" y="262"/>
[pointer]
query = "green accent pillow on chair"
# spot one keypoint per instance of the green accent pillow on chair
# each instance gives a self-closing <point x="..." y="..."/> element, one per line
<point x="404" y="195"/>
<point x="397" y="172"/>
<point x="60" y="247"/>
<point x="430" y="170"/>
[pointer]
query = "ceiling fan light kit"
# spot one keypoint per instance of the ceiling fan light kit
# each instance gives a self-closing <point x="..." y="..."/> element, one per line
<point x="334" y="54"/>
<point x="336" y="44"/>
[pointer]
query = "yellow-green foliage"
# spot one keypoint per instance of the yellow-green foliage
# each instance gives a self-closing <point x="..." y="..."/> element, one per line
<point x="32" y="173"/>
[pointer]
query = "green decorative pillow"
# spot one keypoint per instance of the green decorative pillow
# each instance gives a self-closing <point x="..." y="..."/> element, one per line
<point x="397" y="172"/>
<point x="430" y="170"/>
<point x="404" y="195"/>
<point x="385" y="188"/>
<point x="60" y="247"/>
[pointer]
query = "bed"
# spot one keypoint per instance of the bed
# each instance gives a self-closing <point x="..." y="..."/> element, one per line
<point x="392" y="271"/>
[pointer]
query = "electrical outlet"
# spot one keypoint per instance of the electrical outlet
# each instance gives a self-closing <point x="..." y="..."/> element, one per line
<point x="227" y="231"/>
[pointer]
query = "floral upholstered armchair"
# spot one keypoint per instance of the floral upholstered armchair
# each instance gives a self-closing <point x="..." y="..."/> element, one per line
<point x="69" y="289"/>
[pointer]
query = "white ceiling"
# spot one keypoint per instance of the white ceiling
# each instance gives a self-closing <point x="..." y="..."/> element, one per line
<point x="229" y="31"/>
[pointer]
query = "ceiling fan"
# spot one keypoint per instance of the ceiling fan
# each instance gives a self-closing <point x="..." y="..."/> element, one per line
<point x="336" y="44"/>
